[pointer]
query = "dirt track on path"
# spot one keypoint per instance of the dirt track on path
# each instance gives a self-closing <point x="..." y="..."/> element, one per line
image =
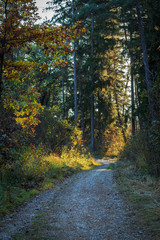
<point x="86" y="206"/>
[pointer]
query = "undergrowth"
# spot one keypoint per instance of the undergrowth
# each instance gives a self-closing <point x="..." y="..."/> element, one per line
<point x="144" y="149"/>
<point x="35" y="171"/>
<point x="143" y="192"/>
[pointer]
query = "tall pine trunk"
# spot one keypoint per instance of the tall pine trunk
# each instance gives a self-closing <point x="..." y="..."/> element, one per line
<point x="145" y="61"/>
<point x="82" y="112"/>
<point x="100" y="129"/>
<point x="137" y="101"/>
<point x="92" y="86"/>
<point x="132" y="81"/>
<point x="75" y="77"/>
<point x="63" y="101"/>
<point x="132" y="89"/>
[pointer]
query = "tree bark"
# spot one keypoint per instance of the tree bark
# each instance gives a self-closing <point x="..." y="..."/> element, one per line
<point x="132" y="81"/>
<point x="75" y="76"/>
<point x="100" y="129"/>
<point x="92" y="87"/>
<point x="82" y="112"/>
<point x="132" y="95"/>
<point x="145" y="61"/>
<point x="137" y="98"/>
<point x="132" y="89"/>
<point x="63" y="102"/>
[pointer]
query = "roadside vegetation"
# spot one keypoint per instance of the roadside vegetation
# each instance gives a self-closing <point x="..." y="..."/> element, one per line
<point x="35" y="171"/>
<point x="139" y="182"/>
<point x="34" y="162"/>
<point x="141" y="192"/>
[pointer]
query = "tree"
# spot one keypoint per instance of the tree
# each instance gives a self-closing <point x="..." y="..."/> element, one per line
<point x="146" y="65"/>
<point x="17" y="20"/>
<point x="17" y="32"/>
<point x="92" y="85"/>
<point x="75" y="76"/>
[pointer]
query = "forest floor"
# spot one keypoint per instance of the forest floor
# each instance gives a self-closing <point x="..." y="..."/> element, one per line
<point x="85" y="206"/>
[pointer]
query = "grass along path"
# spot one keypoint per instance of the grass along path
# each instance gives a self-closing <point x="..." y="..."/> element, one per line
<point x="142" y="191"/>
<point x="36" y="172"/>
<point x="85" y="206"/>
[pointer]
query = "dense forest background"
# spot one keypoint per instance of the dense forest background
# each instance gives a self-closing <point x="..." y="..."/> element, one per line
<point x="86" y="81"/>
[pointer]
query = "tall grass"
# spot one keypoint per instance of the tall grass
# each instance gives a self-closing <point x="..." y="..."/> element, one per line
<point x="141" y="191"/>
<point x="137" y="174"/>
<point x="35" y="171"/>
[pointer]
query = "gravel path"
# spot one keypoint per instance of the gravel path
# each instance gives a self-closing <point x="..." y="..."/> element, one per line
<point x="84" y="207"/>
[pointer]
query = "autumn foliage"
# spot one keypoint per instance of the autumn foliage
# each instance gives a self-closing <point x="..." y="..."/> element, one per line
<point x="18" y="31"/>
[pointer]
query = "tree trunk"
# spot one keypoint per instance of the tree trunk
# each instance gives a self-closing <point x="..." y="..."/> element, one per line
<point x="132" y="89"/>
<point x="92" y="87"/>
<point x="75" y="77"/>
<point x="137" y="101"/>
<point x="145" y="61"/>
<point x="63" y="102"/>
<point x="82" y="112"/>
<point x="132" y="82"/>
<point x="100" y="130"/>
<point x="75" y="85"/>
<point x="132" y="95"/>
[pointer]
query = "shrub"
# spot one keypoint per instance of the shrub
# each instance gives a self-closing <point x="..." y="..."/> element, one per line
<point x="144" y="149"/>
<point x="53" y="131"/>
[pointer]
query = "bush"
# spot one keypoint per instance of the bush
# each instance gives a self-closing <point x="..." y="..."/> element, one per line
<point x="32" y="162"/>
<point x="53" y="131"/>
<point x="144" y="150"/>
<point x="36" y="170"/>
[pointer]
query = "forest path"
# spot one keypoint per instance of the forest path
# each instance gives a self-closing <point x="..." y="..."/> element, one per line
<point x="86" y="206"/>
